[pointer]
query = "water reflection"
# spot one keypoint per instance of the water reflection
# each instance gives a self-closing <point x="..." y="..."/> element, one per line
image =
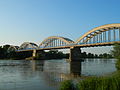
<point x="56" y="71"/>
<point x="75" y="68"/>
<point x="98" y="66"/>
<point x="35" y="65"/>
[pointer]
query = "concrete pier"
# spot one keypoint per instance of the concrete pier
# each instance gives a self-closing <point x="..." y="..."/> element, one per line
<point x="75" y="53"/>
<point x="34" y="53"/>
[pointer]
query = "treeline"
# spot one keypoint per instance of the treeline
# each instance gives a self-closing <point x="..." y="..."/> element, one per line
<point x="5" y="54"/>
<point x="55" y="54"/>
<point x="116" y="54"/>
<point x="3" y="51"/>
<point x="90" y="55"/>
<point x="52" y="54"/>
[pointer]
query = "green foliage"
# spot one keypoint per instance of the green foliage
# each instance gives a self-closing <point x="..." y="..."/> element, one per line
<point x="116" y="53"/>
<point x="5" y="47"/>
<point x="3" y="51"/>
<point x="88" y="84"/>
<point x="90" y="55"/>
<point x="52" y="54"/>
<point x="96" y="56"/>
<point x="94" y="83"/>
<point x="100" y="83"/>
<point x="66" y="85"/>
<point x="118" y="64"/>
<point x="105" y="55"/>
<point x="4" y="54"/>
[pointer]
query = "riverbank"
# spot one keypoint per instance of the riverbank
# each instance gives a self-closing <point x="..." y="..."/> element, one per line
<point x="110" y="82"/>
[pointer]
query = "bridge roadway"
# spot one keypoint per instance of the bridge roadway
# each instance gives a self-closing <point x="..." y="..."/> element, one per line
<point x="71" y="46"/>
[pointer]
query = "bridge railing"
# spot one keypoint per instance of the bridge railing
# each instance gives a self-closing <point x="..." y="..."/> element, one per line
<point x="117" y="40"/>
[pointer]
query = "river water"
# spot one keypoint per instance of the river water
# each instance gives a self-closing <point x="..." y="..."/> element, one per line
<point x="47" y="74"/>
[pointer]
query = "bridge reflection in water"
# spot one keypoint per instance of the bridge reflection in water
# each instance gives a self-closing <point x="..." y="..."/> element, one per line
<point x="57" y="71"/>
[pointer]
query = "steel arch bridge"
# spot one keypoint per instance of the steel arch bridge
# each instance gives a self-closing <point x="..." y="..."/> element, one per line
<point x="100" y="36"/>
<point x="55" y="41"/>
<point x="12" y="48"/>
<point x="108" y="33"/>
<point x="28" y="46"/>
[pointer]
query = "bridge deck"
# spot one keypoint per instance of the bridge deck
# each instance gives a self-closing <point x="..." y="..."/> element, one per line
<point x="80" y="46"/>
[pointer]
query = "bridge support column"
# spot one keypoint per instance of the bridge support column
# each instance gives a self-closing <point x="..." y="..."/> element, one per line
<point x="75" y="68"/>
<point x="75" y="53"/>
<point x="34" y="53"/>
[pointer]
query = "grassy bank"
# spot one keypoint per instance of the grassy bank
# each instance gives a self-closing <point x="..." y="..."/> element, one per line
<point x="110" y="82"/>
<point x="94" y="83"/>
<point x="100" y="83"/>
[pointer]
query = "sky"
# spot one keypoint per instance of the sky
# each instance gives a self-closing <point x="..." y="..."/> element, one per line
<point x="34" y="20"/>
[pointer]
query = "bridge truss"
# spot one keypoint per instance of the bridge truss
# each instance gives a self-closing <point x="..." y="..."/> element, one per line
<point x="103" y="35"/>
<point x="28" y="46"/>
<point x="55" y="41"/>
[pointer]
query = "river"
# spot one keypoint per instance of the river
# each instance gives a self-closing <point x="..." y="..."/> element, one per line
<point x="47" y="74"/>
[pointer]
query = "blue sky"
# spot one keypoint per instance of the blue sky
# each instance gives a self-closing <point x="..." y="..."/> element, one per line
<point x="34" y="20"/>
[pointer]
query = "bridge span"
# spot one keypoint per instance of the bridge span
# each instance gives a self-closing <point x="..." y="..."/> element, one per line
<point x="104" y="35"/>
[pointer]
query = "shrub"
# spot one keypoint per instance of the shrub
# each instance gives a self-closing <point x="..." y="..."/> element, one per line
<point x="118" y="64"/>
<point x="100" y="83"/>
<point x="66" y="85"/>
<point x="89" y="84"/>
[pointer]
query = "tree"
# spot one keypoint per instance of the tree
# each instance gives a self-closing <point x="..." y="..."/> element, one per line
<point x="84" y="55"/>
<point x="90" y="55"/>
<point x="5" y="47"/>
<point x="101" y="56"/>
<point x="95" y="56"/>
<point x="116" y="53"/>
<point x="1" y="52"/>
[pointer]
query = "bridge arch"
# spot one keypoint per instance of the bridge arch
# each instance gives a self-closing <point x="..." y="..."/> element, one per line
<point x="28" y="46"/>
<point x="101" y="34"/>
<point x="12" y="48"/>
<point x="55" y="41"/>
